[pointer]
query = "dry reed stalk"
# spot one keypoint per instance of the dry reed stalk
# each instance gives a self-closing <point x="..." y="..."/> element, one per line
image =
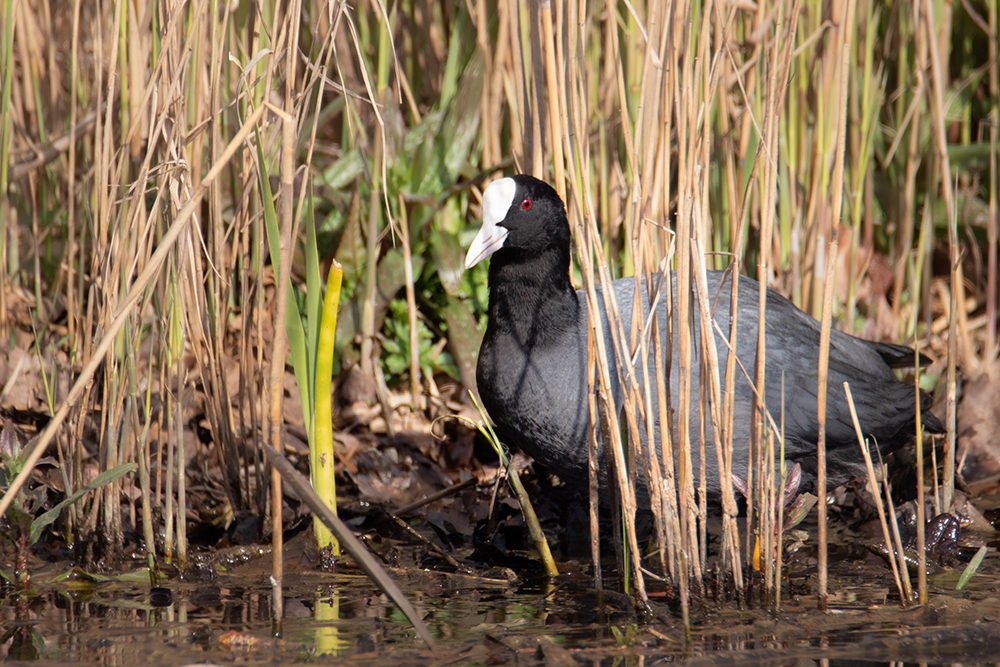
<point x="169" y="418"/>
<point x="289" y="228"/>
<point x="841" y="17"/>
<point x="993" y="224"/>
<point x="701" y="233"/>
<point x="662" y="350"/>
<point x="721" y="409"/>
<point x="722" y="432"/>
<point x="626" y="348"/>
<point x="781" y="493"/>
<point x="553" y="87"/>
<point x="758" y="427"/>
<point x="411" y="308"/>
<point x="592" y="245"/>
<point x="941" y="144"/>
<point x="650" y="460"/>
<point x="877" y="495"/>
<point x="905" y="263"/>
<point x="6" y="127"/>
<point x="531" y="61"/>
<point x="614" y="454"/>
<point x="897" y="541"/>
<point x="821" y="399"/>
<point x="729" y="506"/>
<point x="768" y="524"/>
<point x="574" y="108"/>
<point x="181" y="467"/>
<point x="74" y="75"/>
<point x="124" y="310"/>
<point x="371" y="283"/>
<point x="686" y="187"/>
<point x="593" y="471"/>
<point x="921" y="500"/>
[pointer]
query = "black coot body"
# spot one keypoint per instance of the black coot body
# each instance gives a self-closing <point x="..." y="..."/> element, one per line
<point x="532" y="369"/>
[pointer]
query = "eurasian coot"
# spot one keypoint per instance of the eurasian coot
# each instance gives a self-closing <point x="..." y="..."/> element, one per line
<point x="532" y="369"/>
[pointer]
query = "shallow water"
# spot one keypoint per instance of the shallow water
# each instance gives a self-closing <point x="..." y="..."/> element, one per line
<point x="479" y="620"/>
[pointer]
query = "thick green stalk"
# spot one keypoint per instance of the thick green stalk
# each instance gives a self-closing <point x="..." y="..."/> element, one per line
<point x="321" y="459"/>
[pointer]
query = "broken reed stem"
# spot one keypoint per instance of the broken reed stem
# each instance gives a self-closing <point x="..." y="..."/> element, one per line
<point x="821" y="390"/>
<point x="876" y="494"/>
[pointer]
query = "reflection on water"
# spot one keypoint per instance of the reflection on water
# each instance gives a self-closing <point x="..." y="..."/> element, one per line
<point x="477" y="621"/>
<point x="119" y="624"/>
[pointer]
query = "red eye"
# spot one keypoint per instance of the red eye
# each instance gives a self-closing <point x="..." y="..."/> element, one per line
<point x="526" y="204"/>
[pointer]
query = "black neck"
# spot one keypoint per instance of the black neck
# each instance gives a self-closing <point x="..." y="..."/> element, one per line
<point x="532" y="298"/>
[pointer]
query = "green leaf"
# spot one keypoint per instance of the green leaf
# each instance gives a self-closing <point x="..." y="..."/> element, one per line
<point x="396" y="364"/>
<point x="77" y="573"/>
<point x="345" y="171"/>
<point x="314" y="287"/>
<point x="463" y="119"/>
<point x="105" y="477"/>
<point x="799" y="510"/>
<point x="971" y="568"/>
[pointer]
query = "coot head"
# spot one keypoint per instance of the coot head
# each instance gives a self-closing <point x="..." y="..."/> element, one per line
<point x="522" y="217"/>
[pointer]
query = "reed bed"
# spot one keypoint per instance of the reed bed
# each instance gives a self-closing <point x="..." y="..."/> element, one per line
<point x="798" y="142"/>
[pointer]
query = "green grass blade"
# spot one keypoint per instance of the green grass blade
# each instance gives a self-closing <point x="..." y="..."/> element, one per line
<point x="105" y="477"/>
<point x="297" y="354"/>
<point x="314" y="282"/>
<point x="971" y="568"/>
